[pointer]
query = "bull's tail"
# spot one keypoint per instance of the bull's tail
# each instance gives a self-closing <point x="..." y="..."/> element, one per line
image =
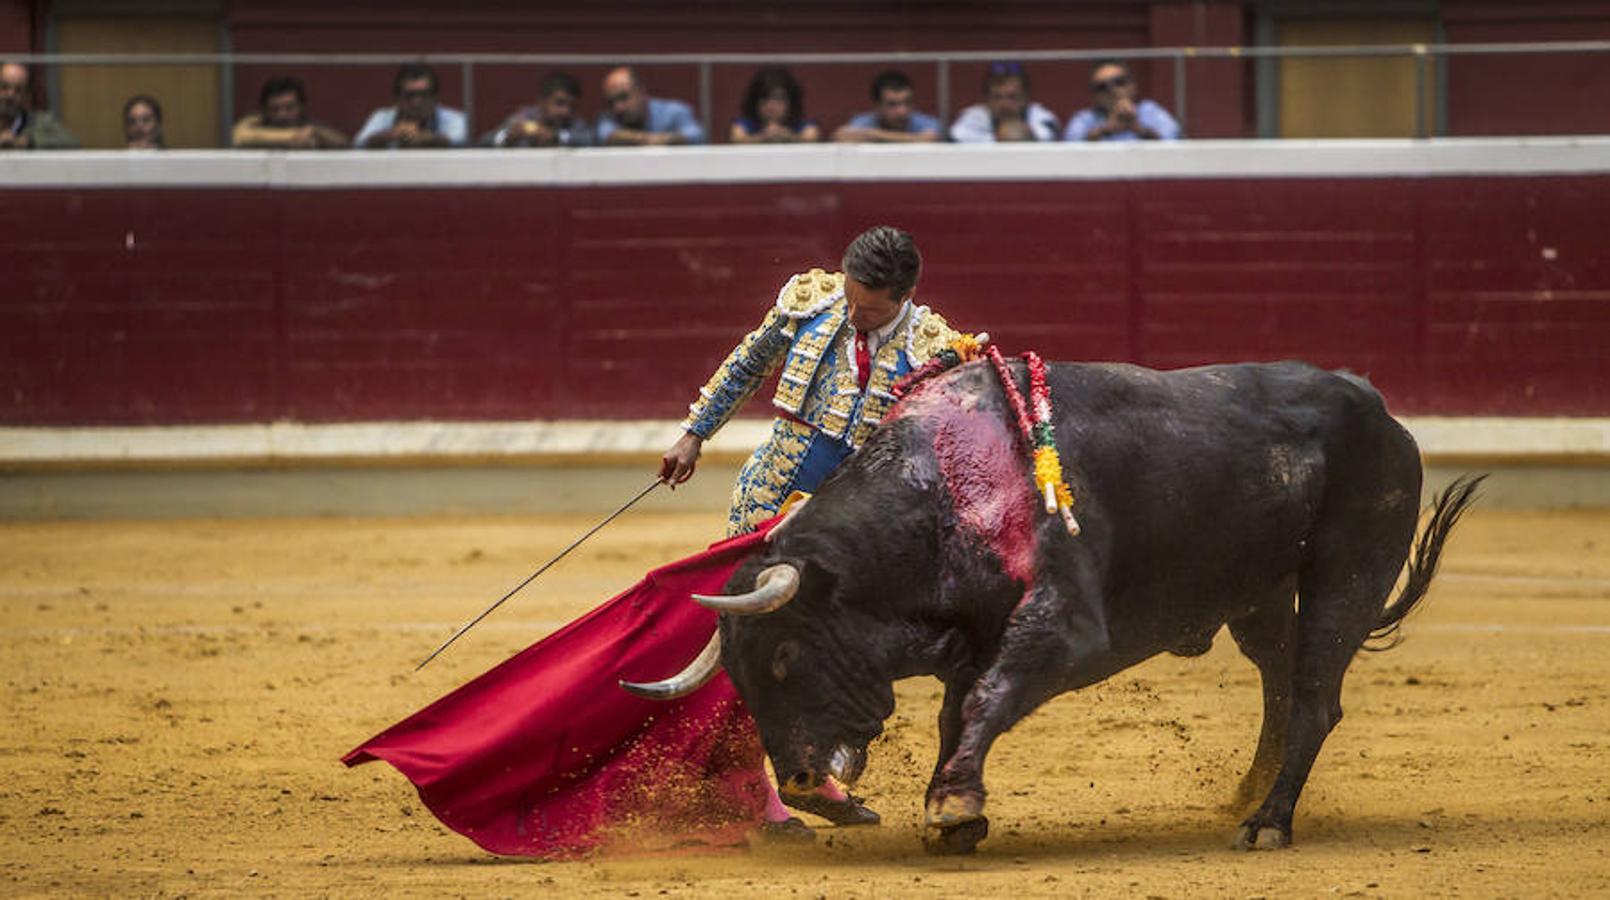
<point x="1445" y="513"/>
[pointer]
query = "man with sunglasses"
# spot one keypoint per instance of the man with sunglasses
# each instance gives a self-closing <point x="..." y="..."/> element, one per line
<point x="416" y="120"/>
<point x="632" y="118"/>
<point x="1117" y="115"/>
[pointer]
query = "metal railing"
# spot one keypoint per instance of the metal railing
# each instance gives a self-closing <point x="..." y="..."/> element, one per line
<point x="1425" y="56"/>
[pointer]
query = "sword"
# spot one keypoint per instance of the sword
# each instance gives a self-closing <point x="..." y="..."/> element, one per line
<point x="533" y="577"/>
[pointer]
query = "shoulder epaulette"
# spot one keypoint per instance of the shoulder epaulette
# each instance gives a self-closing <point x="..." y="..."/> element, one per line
<point x="808" y="293"/>
<point x="929" y="334"/>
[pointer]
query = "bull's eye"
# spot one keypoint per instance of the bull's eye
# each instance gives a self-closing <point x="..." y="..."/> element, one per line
<point x="787" y="652"/>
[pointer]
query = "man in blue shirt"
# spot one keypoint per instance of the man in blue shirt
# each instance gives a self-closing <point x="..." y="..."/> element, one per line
<point x="416" y="120"/>
<point x="895" y="120"/>
<point x="633" y="118"/>
<point x="1117" y="116"/>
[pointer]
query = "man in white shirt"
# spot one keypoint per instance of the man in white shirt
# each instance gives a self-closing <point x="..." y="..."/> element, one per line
<point x="416" y="120"/>
<point x="1007" y="113"/>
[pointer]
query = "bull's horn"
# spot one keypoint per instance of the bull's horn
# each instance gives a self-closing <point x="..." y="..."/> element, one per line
<point x="703" y="668"/>
<point x="774" y="586"/>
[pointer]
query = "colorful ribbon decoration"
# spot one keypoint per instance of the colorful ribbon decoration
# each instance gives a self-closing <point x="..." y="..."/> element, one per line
<point x="1039" y="434"/>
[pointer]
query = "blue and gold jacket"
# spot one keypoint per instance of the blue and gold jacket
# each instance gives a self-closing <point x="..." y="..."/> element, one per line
<point x="808" y="333"/>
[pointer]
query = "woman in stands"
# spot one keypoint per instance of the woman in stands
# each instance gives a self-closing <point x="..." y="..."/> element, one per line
<point x="142" y="124"/>
<point x="774" y="111"/>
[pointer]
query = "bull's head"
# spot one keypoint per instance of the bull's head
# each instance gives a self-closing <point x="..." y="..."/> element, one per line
<point x="807" y="673"/>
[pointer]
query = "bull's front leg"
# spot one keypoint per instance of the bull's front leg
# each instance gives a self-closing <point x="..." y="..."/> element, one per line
<point x="959" y="837"/>
<point x="1037" y="654"/>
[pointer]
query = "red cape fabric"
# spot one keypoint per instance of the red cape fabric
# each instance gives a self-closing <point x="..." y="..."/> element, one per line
<point x="545" y="755"/>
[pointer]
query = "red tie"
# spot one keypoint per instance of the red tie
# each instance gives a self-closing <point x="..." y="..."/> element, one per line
<point x="863" y="360"/>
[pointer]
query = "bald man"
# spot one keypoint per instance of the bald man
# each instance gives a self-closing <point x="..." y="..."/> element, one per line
<point x="21" y="127"/>
<point x="632" y="118"/>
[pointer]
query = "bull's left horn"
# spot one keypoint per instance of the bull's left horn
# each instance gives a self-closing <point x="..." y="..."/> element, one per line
<point x="699" y="672"/>
<point x="774" y="587"/>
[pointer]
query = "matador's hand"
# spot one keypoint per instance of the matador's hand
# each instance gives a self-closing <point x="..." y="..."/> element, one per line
<point x="679" y="462"/>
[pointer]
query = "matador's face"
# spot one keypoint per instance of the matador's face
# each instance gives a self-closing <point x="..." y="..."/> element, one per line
<point x="872" y="308"/>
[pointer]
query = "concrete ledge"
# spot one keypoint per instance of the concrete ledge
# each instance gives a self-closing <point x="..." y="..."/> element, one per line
<point x="572" y="443"/>
<point x="448" y="468"/>
<point x="478" y="168"/>
<point x="1455" y="440"/>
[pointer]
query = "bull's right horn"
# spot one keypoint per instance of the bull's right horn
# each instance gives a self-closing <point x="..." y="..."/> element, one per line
<point x="774" y="587"/>
<point x="698" y="673"/>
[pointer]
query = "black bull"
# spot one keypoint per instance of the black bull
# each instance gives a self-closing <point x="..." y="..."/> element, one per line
<point x="1278" y="499"/>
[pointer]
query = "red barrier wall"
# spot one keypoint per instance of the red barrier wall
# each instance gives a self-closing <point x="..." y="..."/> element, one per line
<point x="1455" y="295"/>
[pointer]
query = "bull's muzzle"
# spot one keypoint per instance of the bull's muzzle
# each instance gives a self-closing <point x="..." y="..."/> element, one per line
<point x="845" y="764"/>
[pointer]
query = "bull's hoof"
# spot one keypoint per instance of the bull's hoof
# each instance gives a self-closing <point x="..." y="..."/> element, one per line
<point x="1266" y="837"/>
<point x="956" y="840"/>
<point x="953" y="809"/>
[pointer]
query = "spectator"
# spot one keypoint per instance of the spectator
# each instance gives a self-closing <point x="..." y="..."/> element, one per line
<point x="552" y="122"/>
<point x="416" y="119"/>
<point x="631" y="117"/>
<point x="774" y="111"/>
<point x="1116" y="116"/>
<point x="1009" y="131"/>
<point x="21" y="126"/>
<point x="1007" y="113"/>
<point x="281" y="121"/>
<point x="894" y="120"/>
<point x="142" y="124"/>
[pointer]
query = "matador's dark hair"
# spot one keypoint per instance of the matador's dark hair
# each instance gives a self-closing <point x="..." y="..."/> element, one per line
<point x="884" y="257"/>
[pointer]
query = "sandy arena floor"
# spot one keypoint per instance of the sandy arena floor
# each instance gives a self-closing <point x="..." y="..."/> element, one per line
<point x="178" y="695"/>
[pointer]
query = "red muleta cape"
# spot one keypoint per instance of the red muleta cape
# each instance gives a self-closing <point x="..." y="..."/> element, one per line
<point x="545" y="755"/>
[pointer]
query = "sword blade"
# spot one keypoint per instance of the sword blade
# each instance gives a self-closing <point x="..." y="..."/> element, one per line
<point x="546" y="566"/>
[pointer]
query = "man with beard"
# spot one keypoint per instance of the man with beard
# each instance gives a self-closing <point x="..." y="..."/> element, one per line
<point x="552" y="122"/>
<point x="21" y="126"/>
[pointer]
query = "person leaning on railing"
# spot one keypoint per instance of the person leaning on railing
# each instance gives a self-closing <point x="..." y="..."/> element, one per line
<point x="416" y="119"/>
<point x="632" y="118"/>
<point x="552" y="122"/>
<point x="21" y="126"/>
<point x="1117" y="115"/>
<point x="1007" y="113"/>
<point x="282" y="122"/>
<point x="895" y="119"/>
<point x="774" y="111"/>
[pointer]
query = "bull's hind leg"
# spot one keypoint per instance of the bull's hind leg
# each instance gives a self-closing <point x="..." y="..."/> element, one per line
<point x="1264" y="637"/>
<point x="1341" y="592"/>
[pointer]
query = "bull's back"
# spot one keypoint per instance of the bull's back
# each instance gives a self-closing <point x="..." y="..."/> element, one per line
<point x="1198" y="487"/>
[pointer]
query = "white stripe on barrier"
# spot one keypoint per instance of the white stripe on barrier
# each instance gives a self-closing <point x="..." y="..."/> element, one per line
<point x="318" y="170"/>
<point x="1515" y="439"/>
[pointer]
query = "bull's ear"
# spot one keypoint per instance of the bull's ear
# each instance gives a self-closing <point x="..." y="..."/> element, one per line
<point x="816" y="579"/>
<point x="783" y="657"/>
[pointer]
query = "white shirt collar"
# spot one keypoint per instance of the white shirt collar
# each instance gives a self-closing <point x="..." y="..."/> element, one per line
<point x="876" y="339"/>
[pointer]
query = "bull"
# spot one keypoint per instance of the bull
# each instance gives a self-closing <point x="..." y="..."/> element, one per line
<point x="1278" y="499"/>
